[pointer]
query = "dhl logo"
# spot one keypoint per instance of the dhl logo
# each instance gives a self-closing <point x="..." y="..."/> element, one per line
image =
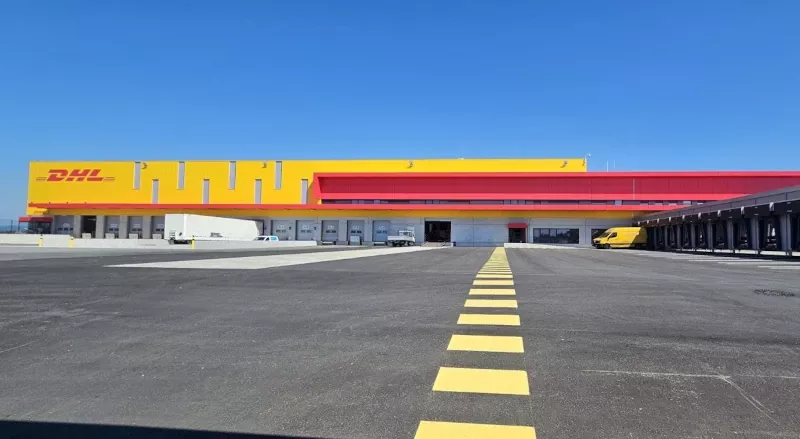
<point x="74" y="175"/>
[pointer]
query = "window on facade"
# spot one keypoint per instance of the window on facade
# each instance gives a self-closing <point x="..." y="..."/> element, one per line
<point x="257" y="192"/>
<point x="206" y="190"/>
<point x="556" y="236"/>
<point x="181" y="175"/>
<point x="278" y="175"/>
<point x="137" y="175"/>
<point x="232" y="175"/>
<point x="154" y="193"/>
<point x="304" y="192"/>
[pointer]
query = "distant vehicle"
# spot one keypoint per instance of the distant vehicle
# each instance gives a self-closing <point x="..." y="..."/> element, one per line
<point x="267" y="238"/>
<point x="403" y="237"/>
<point x="622" y="237"/>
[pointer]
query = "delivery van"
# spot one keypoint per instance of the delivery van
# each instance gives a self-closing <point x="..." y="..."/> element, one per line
<point x="622" y="237"/>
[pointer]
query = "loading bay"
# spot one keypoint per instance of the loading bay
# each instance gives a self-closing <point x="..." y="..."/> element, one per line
<point x="446" y="342"/>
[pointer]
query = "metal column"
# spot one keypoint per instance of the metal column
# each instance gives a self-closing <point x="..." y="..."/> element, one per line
<point x="710" y="236"/>
<point x="317" y="230"/>
<point x="123" y="227"/>
<point x="755" y="237"/>
<point x="729" y="237"/>
<point x="147" y="227"/>
<point x="77" y="226"/>
<point x="100" y="227"/>
<point x="786" y="233"/>
<point x="368" y="231"/>
<point x="679" y="237"/>
<point x="692" y="236"/>
<point x="343" y="233"/>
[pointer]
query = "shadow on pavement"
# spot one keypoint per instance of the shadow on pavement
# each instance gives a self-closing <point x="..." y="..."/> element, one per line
<point x="33" y="429"/>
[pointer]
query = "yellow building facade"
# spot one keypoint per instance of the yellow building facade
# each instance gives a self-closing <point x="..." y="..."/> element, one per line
<point x="131" y="198"/>
<point x="229" y="182"/>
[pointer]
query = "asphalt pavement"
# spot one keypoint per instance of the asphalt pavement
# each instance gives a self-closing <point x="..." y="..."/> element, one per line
<point x="616" y="345"/>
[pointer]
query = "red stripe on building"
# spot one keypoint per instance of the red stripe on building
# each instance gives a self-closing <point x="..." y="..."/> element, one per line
<point x="594" y="186"/>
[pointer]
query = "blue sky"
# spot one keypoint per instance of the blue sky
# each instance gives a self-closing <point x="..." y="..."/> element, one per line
<point x="650" y="85"/>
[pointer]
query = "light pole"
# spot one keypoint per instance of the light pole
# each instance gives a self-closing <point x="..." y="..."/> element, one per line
<point x="586" y="160"/>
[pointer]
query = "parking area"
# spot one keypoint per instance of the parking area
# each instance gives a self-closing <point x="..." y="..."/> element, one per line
<point x="615" y="344"/>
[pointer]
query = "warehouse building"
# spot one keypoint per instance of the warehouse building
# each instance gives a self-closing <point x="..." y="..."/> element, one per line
<point x="469" y="202"/>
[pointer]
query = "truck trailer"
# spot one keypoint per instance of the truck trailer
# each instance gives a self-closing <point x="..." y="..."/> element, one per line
<point x="183" y="228"/>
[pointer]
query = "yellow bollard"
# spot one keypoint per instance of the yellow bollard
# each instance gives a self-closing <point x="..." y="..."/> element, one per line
<point x="41" y="241"/>
<point x="71" y="244"/>
<point x="192" y="244"/>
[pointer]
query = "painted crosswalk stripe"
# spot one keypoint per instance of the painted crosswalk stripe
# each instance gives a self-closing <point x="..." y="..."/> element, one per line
<point x="490" y="303"/>
<point x="486" y="343"/>
<point x="494" y="276"/>
<point x="784" y="267"/>
<point x="492" y="292"/>
<point x="493" y="282"/>
<point x="488" y="319"/>
<point x="494" y="381"/>
<point x="458" y="430"/>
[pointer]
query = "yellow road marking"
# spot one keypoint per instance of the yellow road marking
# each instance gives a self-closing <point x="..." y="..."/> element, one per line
<point x="495" y="381"/>
<point x="490" y="282"/>
<point x="490" y="303"/>
<point x="494" y="276"/>
<point x="458" y="430"/>
<point x="492" y="292"/>
<point x="486" y="343"/>
<point x="489" y="319"/>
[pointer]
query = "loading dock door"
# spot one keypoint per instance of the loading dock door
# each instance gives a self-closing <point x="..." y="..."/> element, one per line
<point x="701" y="240"/>
<point x="88" y="225"/>
<point x="63" y="225"/>
<point x="305" y="230"/>
<point x="437" y="231"/>
<point x="516" y="232"/>
<point x="796" y="230"/>
<point x="770" y="233"/>
<point x="380" y="231"/>
<point x="330" y="230"/>
<point x="112" y="226"/>
<point x="721" y="235"/>
<point x="158" y="227"/>
<point x="283" y="229"/>
<point x="741" y="233"/>
<point x="135" y="226"/>
<point x="355" y="231"/>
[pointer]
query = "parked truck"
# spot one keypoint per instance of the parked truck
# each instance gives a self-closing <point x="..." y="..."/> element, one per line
<point x="622" y="237"/>
<point x="183" y="228"/>
<point x="402" y="238"/>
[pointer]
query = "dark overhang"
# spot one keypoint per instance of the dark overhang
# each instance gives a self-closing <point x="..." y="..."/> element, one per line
<point x="774" y="202"/>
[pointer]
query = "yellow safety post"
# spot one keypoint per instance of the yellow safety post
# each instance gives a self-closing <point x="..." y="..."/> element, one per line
<point x="71" y="243"/>
<point x="192" y="243"/>
<point x="41" y="241"/>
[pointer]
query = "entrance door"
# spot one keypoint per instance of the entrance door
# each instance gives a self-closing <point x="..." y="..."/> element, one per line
<point x="437" y="231"/>
<point x="516" y="234"/>
<point x="88" y="225"/>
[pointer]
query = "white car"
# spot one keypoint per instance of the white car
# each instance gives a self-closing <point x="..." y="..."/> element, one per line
<point x="267" y="238"/>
